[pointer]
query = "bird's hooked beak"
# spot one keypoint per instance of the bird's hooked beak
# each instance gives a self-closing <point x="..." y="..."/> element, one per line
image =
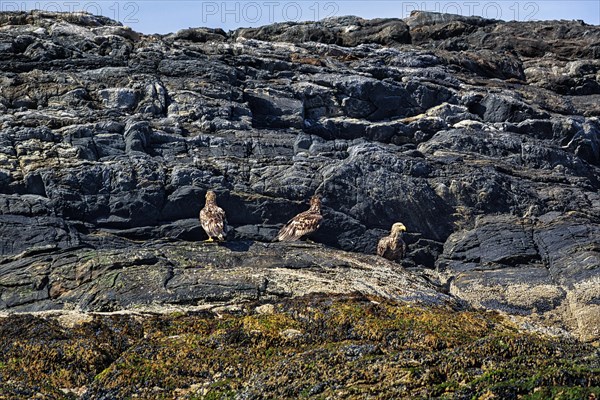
<point x="398" y="227"/>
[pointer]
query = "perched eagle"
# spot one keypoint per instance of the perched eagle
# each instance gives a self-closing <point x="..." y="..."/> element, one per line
<point x="393" y="247"/>
<point x="212" y="218"/>
<point x="302" y="224"/>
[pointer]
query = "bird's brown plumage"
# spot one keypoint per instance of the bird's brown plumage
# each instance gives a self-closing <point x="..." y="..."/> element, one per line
<point x="302" y="224"/>
<point x="212" y="218"/>
<point x="393" y="247"/>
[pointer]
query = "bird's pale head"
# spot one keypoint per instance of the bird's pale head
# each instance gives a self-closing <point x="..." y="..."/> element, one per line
<point x="315" y="202"/>
<point x="398" y="227"/>
<point x="211" y="196"/>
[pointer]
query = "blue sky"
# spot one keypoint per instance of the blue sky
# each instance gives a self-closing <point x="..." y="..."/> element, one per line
<point x="162" y="16"/>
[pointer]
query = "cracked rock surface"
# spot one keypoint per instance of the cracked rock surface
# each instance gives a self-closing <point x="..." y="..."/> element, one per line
<point x="481" y="136"/>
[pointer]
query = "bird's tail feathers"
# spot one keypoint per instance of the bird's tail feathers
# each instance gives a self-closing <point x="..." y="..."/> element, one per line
<point x="285" y="235"/>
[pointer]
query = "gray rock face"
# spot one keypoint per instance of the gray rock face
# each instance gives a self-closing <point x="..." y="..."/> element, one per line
<point x="525" y="266"/>
<point x="476" y="134"/>
<point x="157" y="274"/>
<point x="343" y="31"/>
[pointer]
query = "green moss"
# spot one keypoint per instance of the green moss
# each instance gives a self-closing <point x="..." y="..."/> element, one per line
<point x="89" y="255"/>
<point x="217" y="395"/>
<point x="444" y="388"/>
<point x="220" y="390"/>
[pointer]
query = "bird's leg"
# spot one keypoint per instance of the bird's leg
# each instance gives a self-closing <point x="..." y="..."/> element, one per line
<point x="210" y="239"/>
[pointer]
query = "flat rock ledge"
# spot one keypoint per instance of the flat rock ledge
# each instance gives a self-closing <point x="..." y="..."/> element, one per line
<point x="159" y="275"/>
<point x="165" y="276"/>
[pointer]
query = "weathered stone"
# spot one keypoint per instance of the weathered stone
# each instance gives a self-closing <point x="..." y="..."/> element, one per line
<point x="21" y="234"/>
<point x="189" y="273"/>
<point x="272" y="111"/>
<point x="183" y="203"/>
<point x="343" y="31"/>
<point x="481" y="136"/>
<point x="520" y="266"/>
<point x="201" y="35"/>
<point x="123" y="98"/>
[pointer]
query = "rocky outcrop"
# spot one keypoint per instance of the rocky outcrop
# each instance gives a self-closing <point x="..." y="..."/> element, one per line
<point x="162" y="274"/>
<point x="481" y="136"/>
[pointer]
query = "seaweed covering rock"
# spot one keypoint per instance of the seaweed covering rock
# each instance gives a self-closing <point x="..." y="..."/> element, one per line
<point x="308" y="347"/>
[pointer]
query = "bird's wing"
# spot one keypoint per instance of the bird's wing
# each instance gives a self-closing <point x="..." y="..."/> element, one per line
<point x="221" y="214"/>
<point x="383" y="246"/>
<point x="212" y="220"/>
<point x="403" y="247"/>
<point x="302" y="224"/>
